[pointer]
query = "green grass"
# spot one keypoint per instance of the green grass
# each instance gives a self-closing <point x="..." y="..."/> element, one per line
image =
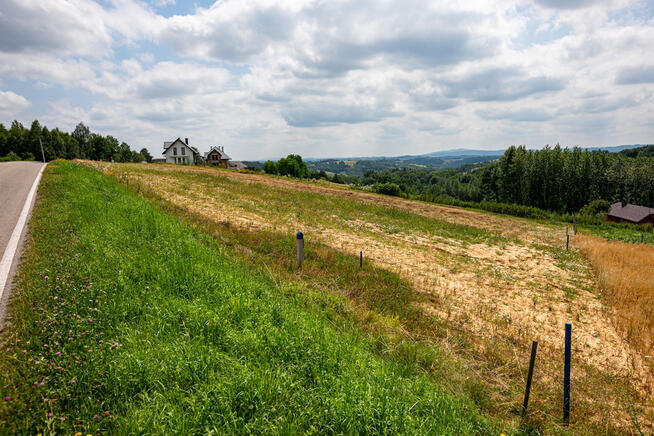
<point x="186" y="339"/>
<point x="284" y="202"/>
<point x="634" y="233"/>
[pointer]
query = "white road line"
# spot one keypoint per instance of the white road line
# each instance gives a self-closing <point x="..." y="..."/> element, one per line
<point x="12" y="245"/>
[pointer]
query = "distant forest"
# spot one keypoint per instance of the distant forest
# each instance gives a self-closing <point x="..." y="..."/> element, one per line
<point x="553" y="179"/>
<point x="359" y="167"/>
<point x="565" y="180"/>
<point x="18" y="142"/>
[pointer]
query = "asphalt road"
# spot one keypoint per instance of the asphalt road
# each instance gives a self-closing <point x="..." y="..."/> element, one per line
<point x="16" y="180"/>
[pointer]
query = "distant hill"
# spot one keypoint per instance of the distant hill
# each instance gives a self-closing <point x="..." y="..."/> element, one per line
<point x="644" y="151"/>
<point x="614" y="149"/>
<point x="461" y="152"/>
<point x="437" y="160"/>
<point x="358" y="167"/>
<point x="465" y="152"/>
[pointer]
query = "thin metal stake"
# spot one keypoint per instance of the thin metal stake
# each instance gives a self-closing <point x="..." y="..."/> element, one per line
<point x="525" y="403"/>
<point x="566" y="373"/>
<point x="300" y="249"/>
<point x="360" y="259"/>
<point x="567" y="242"/>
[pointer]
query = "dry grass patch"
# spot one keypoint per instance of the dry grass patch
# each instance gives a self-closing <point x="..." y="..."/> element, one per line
<point x="626" y="274"/>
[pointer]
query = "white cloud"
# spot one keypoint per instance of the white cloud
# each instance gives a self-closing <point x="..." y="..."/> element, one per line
<point x="74" y="27"/>
<point x="339" y="78"/>
<point x="46" y="68"/>
<point x="11" y="103"/>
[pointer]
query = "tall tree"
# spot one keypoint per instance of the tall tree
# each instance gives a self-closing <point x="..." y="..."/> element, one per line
<point x="146" y="155"/>
<point x="82" y="135"/>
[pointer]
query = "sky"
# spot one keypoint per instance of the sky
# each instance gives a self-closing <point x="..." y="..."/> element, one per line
<point x="326" y="78"/>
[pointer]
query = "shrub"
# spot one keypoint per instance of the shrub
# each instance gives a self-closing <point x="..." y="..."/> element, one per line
<point x="292" y="165"/>
<point x="595" y="207"/>
<point x="11" y="156"/>
<point x="270" y="167"/>
<point x="387" y="189"/>
<point x="28" y="156"/>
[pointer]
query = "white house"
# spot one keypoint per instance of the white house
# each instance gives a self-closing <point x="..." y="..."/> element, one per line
<point x="179" y="151"/>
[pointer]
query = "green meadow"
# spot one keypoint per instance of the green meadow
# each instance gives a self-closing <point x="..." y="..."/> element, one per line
<point x="127" y="320"/>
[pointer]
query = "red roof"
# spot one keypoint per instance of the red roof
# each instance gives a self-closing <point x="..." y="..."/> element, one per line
<point x="630" y="212"/>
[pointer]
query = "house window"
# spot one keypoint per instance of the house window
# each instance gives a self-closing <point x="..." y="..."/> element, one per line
<point x="183" y="151"/>
<point x="174" y="151"/>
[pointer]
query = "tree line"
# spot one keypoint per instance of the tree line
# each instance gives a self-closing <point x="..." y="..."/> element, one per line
<point x="18" y="142"/>
<point x="522" y="182"/>
<point x="565" y="180"/>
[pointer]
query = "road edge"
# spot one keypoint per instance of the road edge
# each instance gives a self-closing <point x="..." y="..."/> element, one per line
<point x="11" y="258"/>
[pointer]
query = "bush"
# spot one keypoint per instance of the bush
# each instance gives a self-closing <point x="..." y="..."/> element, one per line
<point x="387" y="189"/>
<point x="292" y="165"/>
<point x="270" y="167"/>
<point x="28" y="156"/>
<point x="11" y="156"/>
<point x="595" y="207"/>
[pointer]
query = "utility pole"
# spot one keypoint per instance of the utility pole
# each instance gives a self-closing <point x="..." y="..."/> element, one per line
<point x="42" y="154"/>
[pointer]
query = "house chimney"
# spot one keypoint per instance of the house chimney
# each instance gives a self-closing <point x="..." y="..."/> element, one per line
<point x="186" y="140"/>
<point x="623" y="203"/>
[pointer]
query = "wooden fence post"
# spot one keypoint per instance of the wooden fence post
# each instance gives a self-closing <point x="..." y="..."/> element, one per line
<point x="300" y="249"/>
<point x="534" y="346"/>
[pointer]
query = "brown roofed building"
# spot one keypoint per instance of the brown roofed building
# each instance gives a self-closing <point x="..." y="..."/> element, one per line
<point x="630" y="213"/>
<point x="217" y="156"/>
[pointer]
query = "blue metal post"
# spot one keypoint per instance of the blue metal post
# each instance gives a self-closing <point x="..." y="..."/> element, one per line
<point x="566" y="372"/>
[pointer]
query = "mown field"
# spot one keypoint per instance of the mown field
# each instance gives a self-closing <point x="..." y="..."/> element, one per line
<point x="432" y="335"/>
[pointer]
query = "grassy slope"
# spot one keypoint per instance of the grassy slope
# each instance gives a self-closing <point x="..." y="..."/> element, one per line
<point x="489" y="370"/>
<point x="184" y="337"/>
